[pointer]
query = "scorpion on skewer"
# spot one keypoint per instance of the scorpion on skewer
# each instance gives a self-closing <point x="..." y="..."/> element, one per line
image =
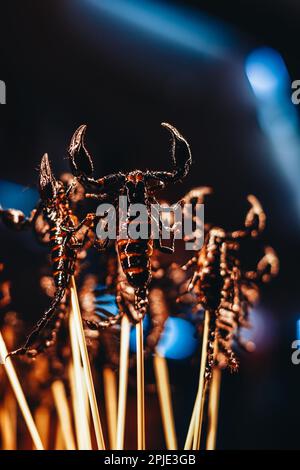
<point x="222" y="287"/>
<point x="59" y="227"/>
<point x="103" y="305"/>
<point x="134" y="254"/>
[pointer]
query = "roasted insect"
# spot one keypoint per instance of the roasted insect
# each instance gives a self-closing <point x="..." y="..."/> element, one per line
<point x="138" y="188"/>
<point x="66" y="237"/>
<point x="223" y="288"/>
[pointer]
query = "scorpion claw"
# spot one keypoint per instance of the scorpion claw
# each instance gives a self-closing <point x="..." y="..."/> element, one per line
<point x="181" y="153"/>
<point x="47" y="182"/>
<point x="80" y="160"/>
<point x="181" y="158"/>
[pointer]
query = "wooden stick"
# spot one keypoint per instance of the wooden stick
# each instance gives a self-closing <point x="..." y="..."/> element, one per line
<point x="8" y="422"/>
<point x="201" y="387"/>
<point x="42" y="420"/>
<point x="190" y="434"/>
<point x="110" y="394"/>
<point x="123" y="379"/>
<point x="86" y="367"/>
<point x="63" y="412"/>
<point x="59" y="440"/>
<point x="141" y="445"/>
<point x="165" y="400"/>
<point x="11" y="405"/>
<point x="7" y="440"/>
<point x="75" y="408"/>
<point x="213" y="409"/>
<point x="19" y="394"/>
<point x="86" y="399"/>
<point x="78" y="392"/>
<point x="203" y="398"/>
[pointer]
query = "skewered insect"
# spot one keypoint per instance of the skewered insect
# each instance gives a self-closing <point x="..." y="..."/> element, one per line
<point x="66" y="237"/>
<point x="223" y="287"/>
<point x="134" y="254"/>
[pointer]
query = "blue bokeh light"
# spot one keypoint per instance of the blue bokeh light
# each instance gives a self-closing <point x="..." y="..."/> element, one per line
<point x="16" y="196"/>
<point x="183" y="27"/>
<point x="298" y="330"/>
<point x="105" y="301"/>
<point x="178" y="341"/>
<point x="278" y="118"/>
<point x="266" y="72"/>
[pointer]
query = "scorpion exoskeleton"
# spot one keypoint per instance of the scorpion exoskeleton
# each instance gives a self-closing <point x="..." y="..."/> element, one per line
<point x="220" y="284"/>
<point x="138" y="187"/>
<point x="54" y="222"/>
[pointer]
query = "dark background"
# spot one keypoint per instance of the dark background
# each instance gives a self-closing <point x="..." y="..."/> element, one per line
<point x="67" y="62"/>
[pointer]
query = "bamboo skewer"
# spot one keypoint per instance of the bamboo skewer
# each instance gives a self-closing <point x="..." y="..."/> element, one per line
<point x="110" y="394"/>
<point x="201" y="387"/>
<point x="19" y="394"/>
<point x="190" y="434"/>
<point x="165" y="400"/>
<point x="8" y="422"/>
<point x="86" y="398"/>
<point x="202" y="403"/>
<point x="63" y="412"/>
<point x="86" y="366"/>
<point x="213" y="409"/>
<point x="11" y="406"/>
<point x="7" y="438"/>
<point x="78" y="392"/>
<point x="75" y="409"/>
<point x="123" y="379"/>
<point x="141" y="445"/>
<point x="42" y="420"/>
<point x="59" y="443"/>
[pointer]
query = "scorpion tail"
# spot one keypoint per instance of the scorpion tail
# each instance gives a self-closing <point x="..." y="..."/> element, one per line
<point x="28" y="348"/>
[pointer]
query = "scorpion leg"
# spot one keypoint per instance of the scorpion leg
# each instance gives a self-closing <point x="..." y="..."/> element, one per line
<point x="51" y="336"/>
<point x="88" y="221"/>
